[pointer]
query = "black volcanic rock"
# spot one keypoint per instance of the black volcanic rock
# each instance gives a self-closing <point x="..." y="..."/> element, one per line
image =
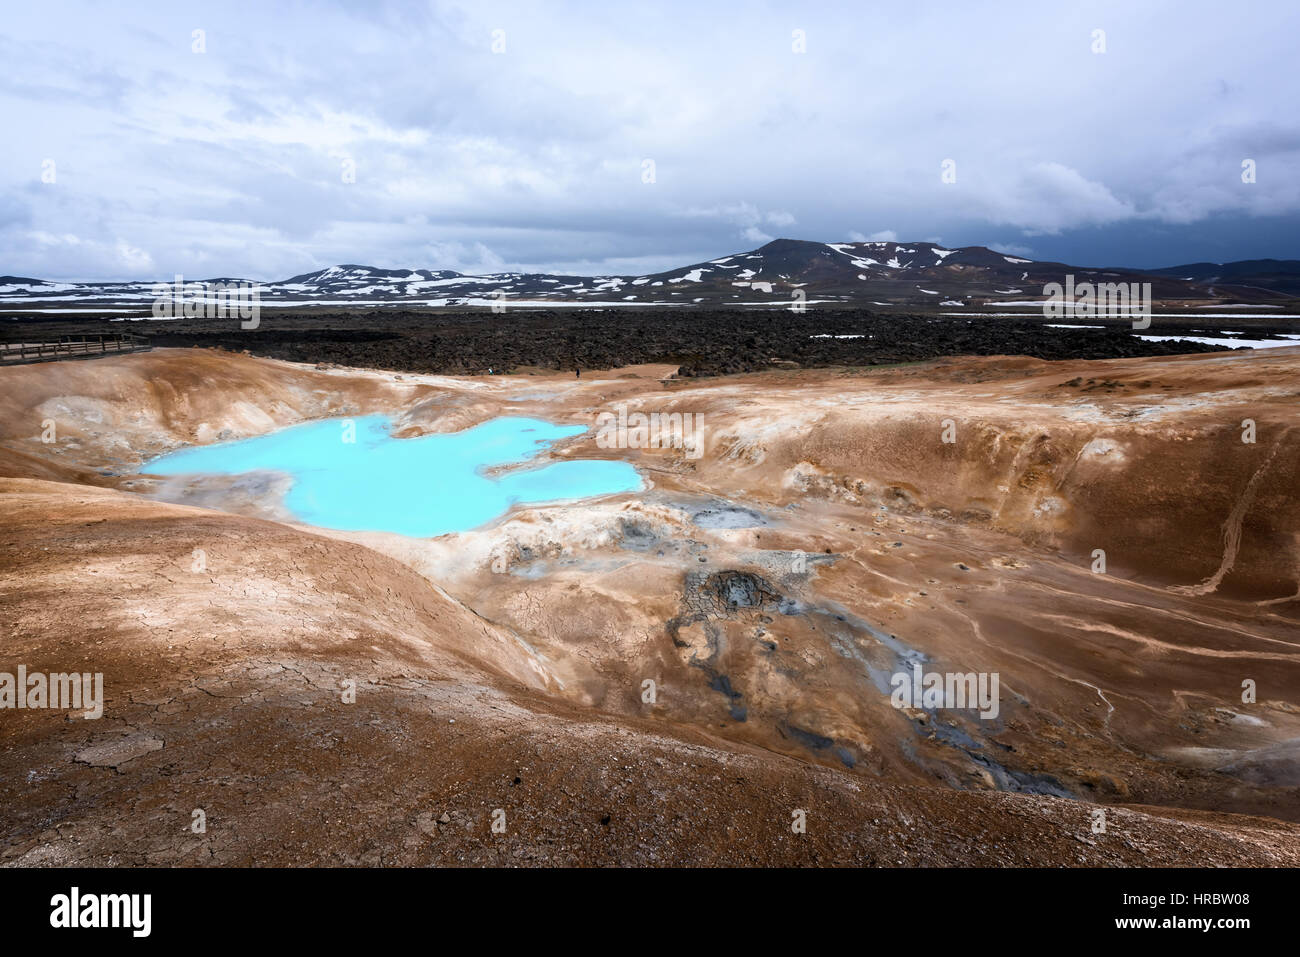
<point x="700" y="341"/>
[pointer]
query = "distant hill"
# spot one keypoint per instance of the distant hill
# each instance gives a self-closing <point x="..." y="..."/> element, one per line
<point x="780" y="272"/>
<point x="1277" y="276"/>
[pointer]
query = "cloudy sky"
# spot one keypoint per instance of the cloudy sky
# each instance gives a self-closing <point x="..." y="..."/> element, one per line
<point x="487" y="136"/>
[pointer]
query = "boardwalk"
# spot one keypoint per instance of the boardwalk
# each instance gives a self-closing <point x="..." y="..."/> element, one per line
<point x="71" y="347"/>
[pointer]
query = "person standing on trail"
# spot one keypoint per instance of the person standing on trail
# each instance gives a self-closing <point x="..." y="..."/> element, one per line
<point x="577" y="373"/>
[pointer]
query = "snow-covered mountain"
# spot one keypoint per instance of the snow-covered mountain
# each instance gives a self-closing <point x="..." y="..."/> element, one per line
<point x="880" y="273"/>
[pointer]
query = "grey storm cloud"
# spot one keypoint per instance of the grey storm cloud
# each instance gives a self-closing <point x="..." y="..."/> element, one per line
<point x="491" y="136"/>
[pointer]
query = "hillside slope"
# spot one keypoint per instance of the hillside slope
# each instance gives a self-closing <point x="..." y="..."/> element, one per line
<point x="884" y="273"/>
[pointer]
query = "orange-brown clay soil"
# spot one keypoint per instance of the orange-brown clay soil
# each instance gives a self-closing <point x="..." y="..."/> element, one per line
<point x="826" y="537"/>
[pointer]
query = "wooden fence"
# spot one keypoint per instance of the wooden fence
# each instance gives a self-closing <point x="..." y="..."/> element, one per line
<point x="72" y="347"/>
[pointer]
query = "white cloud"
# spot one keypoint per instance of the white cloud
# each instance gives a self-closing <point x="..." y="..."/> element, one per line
<point x="134" y="260"/>
<point x="229" y="162"/>
<point x="1011" y="249"/>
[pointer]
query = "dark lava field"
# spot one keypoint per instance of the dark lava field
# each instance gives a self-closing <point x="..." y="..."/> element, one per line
<point x="702" y="342"/>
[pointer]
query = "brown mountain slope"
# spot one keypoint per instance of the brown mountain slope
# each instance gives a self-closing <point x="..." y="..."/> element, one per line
<point x="826" y="530"/>
<point x="224" y="695"/>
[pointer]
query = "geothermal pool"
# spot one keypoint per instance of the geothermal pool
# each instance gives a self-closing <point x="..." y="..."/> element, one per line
<point x="419" y="487"/>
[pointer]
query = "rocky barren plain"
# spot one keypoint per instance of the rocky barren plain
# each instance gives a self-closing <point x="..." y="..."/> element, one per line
<point x="826" y="536"/>
<point x="697" y="342"/>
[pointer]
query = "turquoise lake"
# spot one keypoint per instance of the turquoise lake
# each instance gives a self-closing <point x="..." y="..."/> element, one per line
<point x="419" y="487"/>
